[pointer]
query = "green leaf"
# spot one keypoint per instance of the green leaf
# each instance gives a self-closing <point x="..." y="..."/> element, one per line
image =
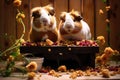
<point x="14" y="54"/>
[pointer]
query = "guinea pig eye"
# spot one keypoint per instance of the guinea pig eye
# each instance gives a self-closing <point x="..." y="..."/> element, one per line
<point x="77" y="18"/>
<point x="36" y="14"/>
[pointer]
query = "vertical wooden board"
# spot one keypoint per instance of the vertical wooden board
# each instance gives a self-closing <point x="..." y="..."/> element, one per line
<point x="25" y="7"/>
<point x="60" y="6"/>
<point x="114" y="24"/>
<point x="75" y="5"/>
<point x="88" y="14"/>
<point x="35" y="3"/>
<point x="46" y="2"/>
<point x="38" y="3"/>
<point x="1" y="25"/>
<point x="9" y="23"/>
<point x="100" y="20"/>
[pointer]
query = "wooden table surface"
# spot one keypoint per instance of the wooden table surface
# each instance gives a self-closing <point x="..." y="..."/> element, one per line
<point x="45" y="76"/>
<point x="65" y="76"/>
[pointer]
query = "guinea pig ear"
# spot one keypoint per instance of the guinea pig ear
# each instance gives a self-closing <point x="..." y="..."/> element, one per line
<point x="35" y="14"/>
<point x="50" y="9"/>
<point x="62" y="16"/>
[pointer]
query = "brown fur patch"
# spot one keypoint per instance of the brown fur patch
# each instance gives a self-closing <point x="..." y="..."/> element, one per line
<point x="78" y="27"/>
<point x="76" y="15"/>
<point x="52" y="21"/>
<point x="50" y="9"/>
<point x="38" y="36"/>
<point x="37" y="23"/>
<point x="62" y="16"/>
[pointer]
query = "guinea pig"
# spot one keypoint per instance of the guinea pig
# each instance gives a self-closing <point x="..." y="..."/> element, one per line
<point x="43" y="24"/>
<point x="72" y="27"/>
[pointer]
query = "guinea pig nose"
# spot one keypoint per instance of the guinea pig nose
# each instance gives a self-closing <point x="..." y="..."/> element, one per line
<point x="68" y="26"/>
<point x="44" y="20"/>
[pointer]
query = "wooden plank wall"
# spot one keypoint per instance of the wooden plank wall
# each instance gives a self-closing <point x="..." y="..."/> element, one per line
<point x="85" y="7"/>
<point x="7" y="23"/>
<point x="114" y="22"/>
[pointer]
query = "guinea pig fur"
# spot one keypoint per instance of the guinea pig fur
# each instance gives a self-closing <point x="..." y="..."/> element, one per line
<point x="72" y="27"/>
<point x="43" y="24"/>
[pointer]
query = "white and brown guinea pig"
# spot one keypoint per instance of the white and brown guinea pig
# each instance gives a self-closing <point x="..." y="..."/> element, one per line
<point x="43" y="24"/>
<point x="72" y="27"/>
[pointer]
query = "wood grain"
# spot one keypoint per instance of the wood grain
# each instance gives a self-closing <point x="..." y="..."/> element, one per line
<point x="75" y="4"/>
<point x="6" y="22"/>
<point x="2" y="25"/>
